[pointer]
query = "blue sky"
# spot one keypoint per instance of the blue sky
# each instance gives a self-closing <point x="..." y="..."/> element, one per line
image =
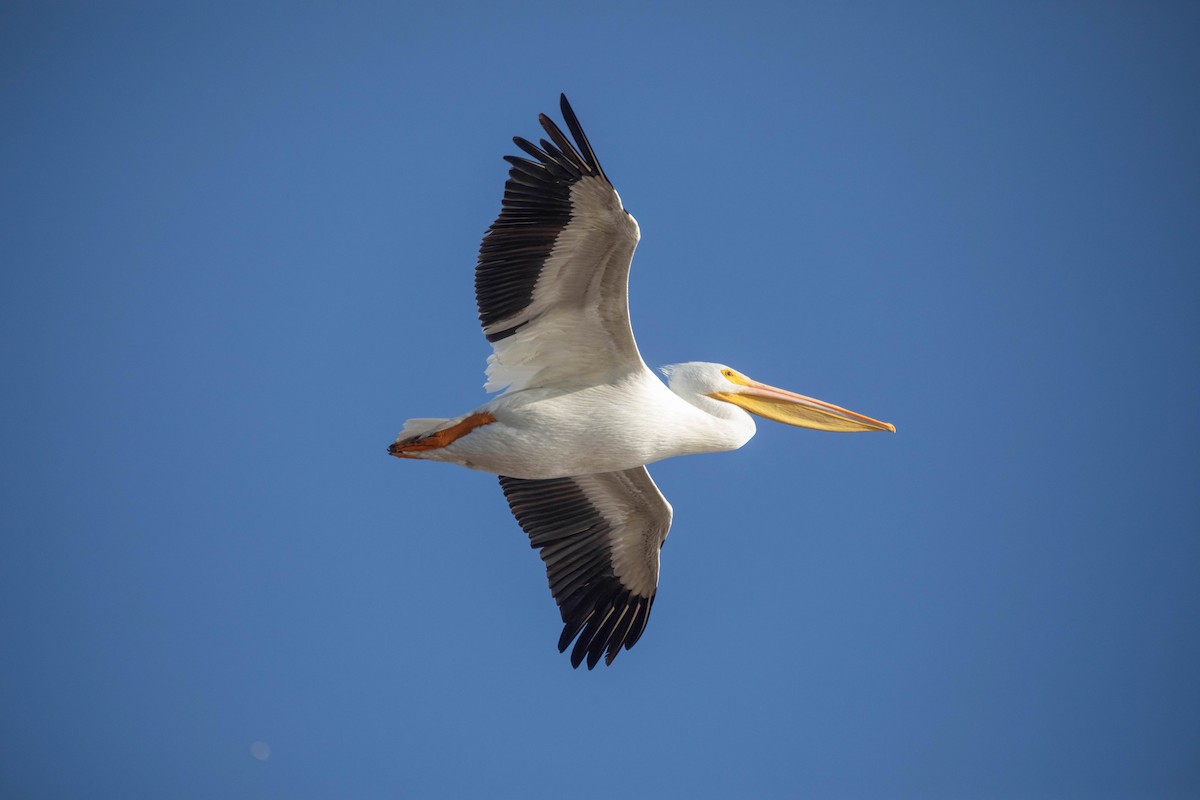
<point x="238" y="244"/>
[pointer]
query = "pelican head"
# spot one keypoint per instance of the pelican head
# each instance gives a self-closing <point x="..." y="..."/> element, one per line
<point x="701" y="379"/>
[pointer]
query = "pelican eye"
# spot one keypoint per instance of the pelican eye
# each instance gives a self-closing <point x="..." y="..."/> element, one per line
<point x="735" y="377"/>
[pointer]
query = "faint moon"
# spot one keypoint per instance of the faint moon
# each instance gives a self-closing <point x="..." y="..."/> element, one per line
<point x="260" y="750"/>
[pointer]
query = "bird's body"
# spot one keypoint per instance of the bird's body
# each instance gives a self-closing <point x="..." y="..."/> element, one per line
<point x="552" y="432"/>
<point x="581" y="414"/>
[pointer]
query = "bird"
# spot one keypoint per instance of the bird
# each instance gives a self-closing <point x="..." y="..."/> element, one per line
<point x="579" y="414"/>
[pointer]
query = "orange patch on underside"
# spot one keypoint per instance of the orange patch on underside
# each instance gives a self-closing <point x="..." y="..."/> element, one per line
<point x="439" y="439"/>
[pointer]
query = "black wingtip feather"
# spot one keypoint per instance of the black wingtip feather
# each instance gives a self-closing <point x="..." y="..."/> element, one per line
<point x="581" y="139"/>
<point x="621" y="632"/>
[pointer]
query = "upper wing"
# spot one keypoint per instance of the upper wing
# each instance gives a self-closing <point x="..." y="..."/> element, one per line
<point x="599" y="536"/>
<point x="553" y="274"/>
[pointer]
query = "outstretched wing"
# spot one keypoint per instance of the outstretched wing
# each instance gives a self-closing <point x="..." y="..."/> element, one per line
<point x="599" y="536"/>
<point x="553" y="273"/>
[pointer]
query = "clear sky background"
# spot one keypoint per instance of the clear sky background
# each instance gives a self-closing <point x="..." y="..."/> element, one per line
<point x="237" y="247"/>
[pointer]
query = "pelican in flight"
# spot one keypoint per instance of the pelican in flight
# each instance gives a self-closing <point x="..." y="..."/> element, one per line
<point x="580" y="415"/>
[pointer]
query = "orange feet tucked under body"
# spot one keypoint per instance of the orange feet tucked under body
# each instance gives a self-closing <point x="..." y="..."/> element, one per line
<point x="406" y="448"/>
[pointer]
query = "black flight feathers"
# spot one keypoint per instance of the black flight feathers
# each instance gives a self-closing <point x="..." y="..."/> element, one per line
<point x="535" y="209"/>
<point x="575" y="541"/>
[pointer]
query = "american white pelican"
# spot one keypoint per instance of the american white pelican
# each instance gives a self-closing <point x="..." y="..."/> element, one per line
<point x="581" y="414"/>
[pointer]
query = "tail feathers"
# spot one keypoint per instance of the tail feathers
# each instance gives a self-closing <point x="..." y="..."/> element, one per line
<point x="421" y="426"/>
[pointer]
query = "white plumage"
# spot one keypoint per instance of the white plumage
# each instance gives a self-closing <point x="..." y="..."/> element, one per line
<point x="581" y="414"/>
